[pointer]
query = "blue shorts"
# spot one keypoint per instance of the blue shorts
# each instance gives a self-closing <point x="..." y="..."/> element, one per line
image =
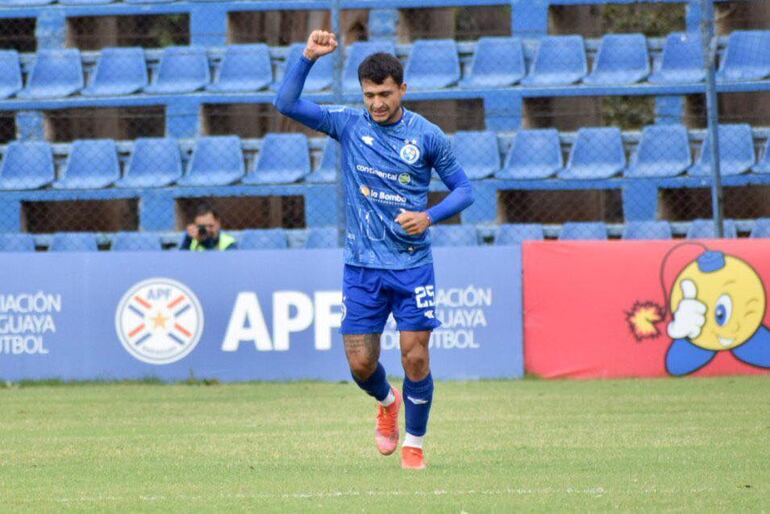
<point x="369" y="295"/>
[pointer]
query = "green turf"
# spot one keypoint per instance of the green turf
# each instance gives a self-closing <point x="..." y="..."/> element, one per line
<point x="636" y="445"/>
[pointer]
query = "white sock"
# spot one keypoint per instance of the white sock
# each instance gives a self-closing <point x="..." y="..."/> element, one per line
<point x="413" y="440"/>
<point x="388" y="399"/>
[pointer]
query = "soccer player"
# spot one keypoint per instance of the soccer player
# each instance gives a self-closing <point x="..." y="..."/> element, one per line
<point x="387" y="157"/>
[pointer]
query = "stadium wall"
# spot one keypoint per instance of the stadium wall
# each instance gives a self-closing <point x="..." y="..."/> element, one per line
<point x="602" y="310"/>
<point x="235" y="316"/>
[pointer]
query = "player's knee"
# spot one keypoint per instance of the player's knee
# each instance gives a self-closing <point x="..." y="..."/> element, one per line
<point x="361" y="368"/>
<point x="415" y="364"/>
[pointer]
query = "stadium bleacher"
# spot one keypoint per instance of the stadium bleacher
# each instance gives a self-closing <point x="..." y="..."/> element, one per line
<point x="530" y="63"/>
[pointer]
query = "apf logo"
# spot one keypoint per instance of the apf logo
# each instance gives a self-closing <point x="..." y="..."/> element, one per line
<point x="159" y="321"/>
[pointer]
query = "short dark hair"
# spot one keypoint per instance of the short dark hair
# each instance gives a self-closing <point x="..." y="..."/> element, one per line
<point x="378" y="67"/>
<point x="206" y="208"/>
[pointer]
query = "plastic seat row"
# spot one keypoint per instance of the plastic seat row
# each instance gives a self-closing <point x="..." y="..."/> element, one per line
<point x="597" y="153"/>
<point x="441" y="235"/>
<point x="324" y="237"/>
<point x="432" y="64"/>
<point x="621" y="59"/>
<point x="123" y="71"/>
<point x="157" y="162"/>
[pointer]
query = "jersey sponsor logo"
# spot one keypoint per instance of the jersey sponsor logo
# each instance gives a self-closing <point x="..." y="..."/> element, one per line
<point x="404" y="178"/>
<point x="409" y="152"/>
<point x="377" y="173"/>
<point x="382" y="196"/>
<point x="369" y="140"/>
<point x="159" y="321"/>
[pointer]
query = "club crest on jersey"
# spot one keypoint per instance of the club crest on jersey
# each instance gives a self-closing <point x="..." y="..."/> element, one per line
<point x="409" y="152"/>
<point x="159" y="321"/>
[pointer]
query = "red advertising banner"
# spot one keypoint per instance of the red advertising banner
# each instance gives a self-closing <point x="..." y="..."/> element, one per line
<point x="646" y="308"/>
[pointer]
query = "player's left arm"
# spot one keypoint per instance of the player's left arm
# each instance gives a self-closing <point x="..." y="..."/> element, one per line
<point x="460" y="191"/>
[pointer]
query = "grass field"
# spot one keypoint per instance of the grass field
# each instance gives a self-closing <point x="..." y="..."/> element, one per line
<point x="636" y="445"/>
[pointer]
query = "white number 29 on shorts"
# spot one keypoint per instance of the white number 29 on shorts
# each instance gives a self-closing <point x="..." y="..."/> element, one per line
<point x="424" y="296"/>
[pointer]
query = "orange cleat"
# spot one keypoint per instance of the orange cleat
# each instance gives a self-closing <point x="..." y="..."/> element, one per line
<point x="386" y="434"/>
<point x="412" y="458"/>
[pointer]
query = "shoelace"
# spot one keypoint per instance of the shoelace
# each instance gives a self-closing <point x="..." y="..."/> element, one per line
<point x="386" y="422"/>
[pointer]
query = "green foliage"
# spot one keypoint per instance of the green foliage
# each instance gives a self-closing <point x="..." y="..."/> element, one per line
<point x="647" y="18"/>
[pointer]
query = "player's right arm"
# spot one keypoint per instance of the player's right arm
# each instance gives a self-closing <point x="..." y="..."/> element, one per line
<point x="287" y="100"/>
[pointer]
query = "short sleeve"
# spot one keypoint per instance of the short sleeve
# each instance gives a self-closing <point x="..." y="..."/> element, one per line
<point x="334" y="119"/>
<point x="441" y="156"/>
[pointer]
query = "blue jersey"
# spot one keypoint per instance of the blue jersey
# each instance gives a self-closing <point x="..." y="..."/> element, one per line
<point x="386" y="169"/>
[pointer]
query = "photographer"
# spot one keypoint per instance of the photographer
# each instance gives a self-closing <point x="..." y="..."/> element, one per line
<point x="205" y="233"/>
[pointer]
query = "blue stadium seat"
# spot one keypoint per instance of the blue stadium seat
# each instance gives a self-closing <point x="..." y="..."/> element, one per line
<point x="135" y="242"/>
<point x="453" y="235"/>
<point x="736" y="152"/>
<point x="267" y="239"/>
<point x="215" y="161"/>
<point x="761" y="228"/>
<point x="182" y="69"/>
<point x="559" y="60"/>
<point x="119" y="71"/>
<point x="92" y="164"/>
<point x="497" y="62"/>
<point x="432" y="64"/>
<point x="283" y="159"/>
<point x="647" y="230"/>
<point x="663" y="151"/>
<point x="621" y="59"/>
<point x="763" y="166"/>
<point x="477" y="153"/>
<point x="681" y="61"/>
<point x="322" y="237"/>
<point x="597" y="153"/>
<point x="321" y="74"/>
<point x="155" y="162"/>
<point x="583" y="230"/>
<point x="383" y="24"/>
<point x="244" y="68"/>
<point x="327" y="169"/>
<point x="55" y="73"/>
<point x="704" y="229"/>
<point x="73" y="242"/>
<point x="17" y="243"/>
<point x="534" y="154"/>
<point x="746" y="56"/>
<point x="10" y="73"/>
<point x="148" y="1"/>
<point x="358" y="52"/>
<point x="85" y="2"/>
<point x="27" y="165"/>
<point x="24" y="3"/>
<point x="515" y="234"/>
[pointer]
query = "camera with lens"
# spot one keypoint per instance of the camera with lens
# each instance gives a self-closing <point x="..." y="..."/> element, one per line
<point x="202" y="232"/>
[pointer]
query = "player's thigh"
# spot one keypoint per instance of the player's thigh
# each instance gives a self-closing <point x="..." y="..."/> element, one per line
<point x="413" y="299"/>
<point x="365" y="302"/>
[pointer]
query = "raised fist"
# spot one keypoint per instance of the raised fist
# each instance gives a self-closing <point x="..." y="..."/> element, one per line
<point x="690" y="315"/>
<point x="320" y="43"/>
